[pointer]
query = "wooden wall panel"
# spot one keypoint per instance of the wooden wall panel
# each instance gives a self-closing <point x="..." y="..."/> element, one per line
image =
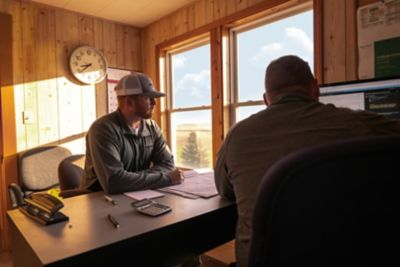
<point x="334" y="19"/>
<point x="58" y="106"/>
<point x="191" y="13"/>
<point x="180" y="22"/>
<point x="7" y="123"/>
<point x="236" y="5"/>
<point x="339" y="40"/>
<point x="29" y="32"/>
<point x="101" y="88"/>
<point x="5" y="6"/>
<point x="351" y="40"/>
<point x="132" y="49"/>
<point x="18" y="74"/>
<point x="86" y="30"/>
<point x="109" y="43"/>
<point x="46" y="67"/>
<point x="119" y="43"/>
<point x="220" y="9"/>
<point x="208" y="11"/>
<point x="200" y="14"/>
<point x="69" y="92"/>
<point x="88" y="92"/>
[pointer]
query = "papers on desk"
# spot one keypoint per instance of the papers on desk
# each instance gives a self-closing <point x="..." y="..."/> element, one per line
<point x="139" y="195"/>
<point x="195" y="185"/>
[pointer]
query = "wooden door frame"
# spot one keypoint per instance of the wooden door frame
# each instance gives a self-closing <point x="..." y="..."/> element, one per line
<point x="8" y="147"/>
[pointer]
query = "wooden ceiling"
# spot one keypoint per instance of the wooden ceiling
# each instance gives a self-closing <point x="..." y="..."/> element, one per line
<point x="139" y="13"/>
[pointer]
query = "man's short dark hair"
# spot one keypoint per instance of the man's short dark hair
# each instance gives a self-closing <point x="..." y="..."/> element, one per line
<point x="287" y="71"/>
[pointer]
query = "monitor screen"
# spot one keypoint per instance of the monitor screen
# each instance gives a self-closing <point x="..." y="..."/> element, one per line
<point x="381" y="96"/>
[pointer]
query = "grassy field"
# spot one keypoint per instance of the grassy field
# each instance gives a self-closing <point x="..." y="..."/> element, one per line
<point x="204" y="143"/>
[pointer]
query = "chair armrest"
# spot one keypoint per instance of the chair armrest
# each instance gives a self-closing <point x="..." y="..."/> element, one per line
<point x="73" y="192"/>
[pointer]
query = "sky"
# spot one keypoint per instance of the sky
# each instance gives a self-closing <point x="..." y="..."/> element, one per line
<point x="255" y="49"/>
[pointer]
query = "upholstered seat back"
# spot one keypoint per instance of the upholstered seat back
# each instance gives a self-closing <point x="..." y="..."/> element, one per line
<point x="38" y="167"/>
<point x="70" y="171"/>
<point x="331" y="205"/>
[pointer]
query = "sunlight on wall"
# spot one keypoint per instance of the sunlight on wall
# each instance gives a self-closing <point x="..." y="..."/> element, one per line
<point x="52" y="110"/>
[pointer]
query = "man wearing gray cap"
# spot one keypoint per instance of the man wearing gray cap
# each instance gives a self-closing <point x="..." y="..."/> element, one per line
<point x="125" y="150"/>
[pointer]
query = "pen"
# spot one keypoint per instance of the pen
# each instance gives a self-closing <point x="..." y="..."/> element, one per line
<point x="113" y="221"/>
<point x="109" y="199"/>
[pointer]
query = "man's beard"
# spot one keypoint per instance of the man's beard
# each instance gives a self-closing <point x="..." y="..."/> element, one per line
<point x="148" y="114"/>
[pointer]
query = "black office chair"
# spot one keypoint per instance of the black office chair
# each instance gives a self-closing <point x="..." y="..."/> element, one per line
<point x="331" y="205"/>
<point x="69" y="174"/>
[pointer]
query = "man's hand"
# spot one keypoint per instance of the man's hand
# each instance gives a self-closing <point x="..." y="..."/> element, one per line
<point x="176" y="176"/>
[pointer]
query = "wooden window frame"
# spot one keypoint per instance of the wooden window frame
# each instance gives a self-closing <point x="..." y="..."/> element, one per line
<point x="244" y="27"/>
<point x="222" y="108"/>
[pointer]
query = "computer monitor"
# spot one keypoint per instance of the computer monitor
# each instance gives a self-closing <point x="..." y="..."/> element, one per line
<point x="377" y="95"/>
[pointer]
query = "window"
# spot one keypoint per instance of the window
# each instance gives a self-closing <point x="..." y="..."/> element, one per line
<point x="197" y="113"/>
<point x="189" y="105"/>
<point x="256" y="45"/>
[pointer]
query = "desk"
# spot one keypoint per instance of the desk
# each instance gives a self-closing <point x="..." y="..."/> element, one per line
<point x="89" y="239"/>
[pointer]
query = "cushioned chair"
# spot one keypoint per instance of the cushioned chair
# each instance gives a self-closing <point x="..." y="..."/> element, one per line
<point x="331" y="205"/>
<point x="69" y="174"/>
<point x="16" y="195"/>
<point x="38" y="171"/>
<point x="38" y="167"/>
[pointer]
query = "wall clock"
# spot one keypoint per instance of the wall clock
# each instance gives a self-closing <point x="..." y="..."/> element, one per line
<point x="88" y="65"/>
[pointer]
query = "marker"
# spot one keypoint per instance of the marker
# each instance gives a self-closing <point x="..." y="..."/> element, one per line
<point x="109" y="199"/>
<point x="113" y="221"/>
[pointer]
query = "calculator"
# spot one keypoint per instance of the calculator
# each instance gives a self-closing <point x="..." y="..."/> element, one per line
<point x="150" y="207"/>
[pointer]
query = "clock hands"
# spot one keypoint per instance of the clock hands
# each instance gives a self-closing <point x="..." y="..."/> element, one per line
<point x="85" y="66"/>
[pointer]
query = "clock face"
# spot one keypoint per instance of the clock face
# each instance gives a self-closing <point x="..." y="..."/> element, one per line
<point x="88" y="64"/>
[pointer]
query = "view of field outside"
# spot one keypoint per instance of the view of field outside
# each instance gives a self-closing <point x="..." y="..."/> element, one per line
<point x="191" y="82"/>
<point x="191" y="87"/>
<point x="191" y="138"/>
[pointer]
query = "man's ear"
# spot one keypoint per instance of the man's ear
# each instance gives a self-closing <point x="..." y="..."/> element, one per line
<point x="315" y="89"/>
<point x="266" y="102"/>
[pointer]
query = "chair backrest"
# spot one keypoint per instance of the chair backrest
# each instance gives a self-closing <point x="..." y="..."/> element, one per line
<point x="38" y="167"/>
<point x="70" y="171"/>
<point x="330" y="205"/>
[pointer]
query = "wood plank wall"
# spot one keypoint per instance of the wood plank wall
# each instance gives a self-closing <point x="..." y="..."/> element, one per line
<point x="7" y="131"/>
<point x="60" y="109"/>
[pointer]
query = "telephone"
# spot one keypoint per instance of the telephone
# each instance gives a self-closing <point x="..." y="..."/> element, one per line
<point x="41" y="206"/>
<point x="45" y="202"/>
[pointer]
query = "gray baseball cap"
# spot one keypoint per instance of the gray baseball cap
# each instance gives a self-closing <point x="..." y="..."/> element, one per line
<point x="137" y="83"/>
